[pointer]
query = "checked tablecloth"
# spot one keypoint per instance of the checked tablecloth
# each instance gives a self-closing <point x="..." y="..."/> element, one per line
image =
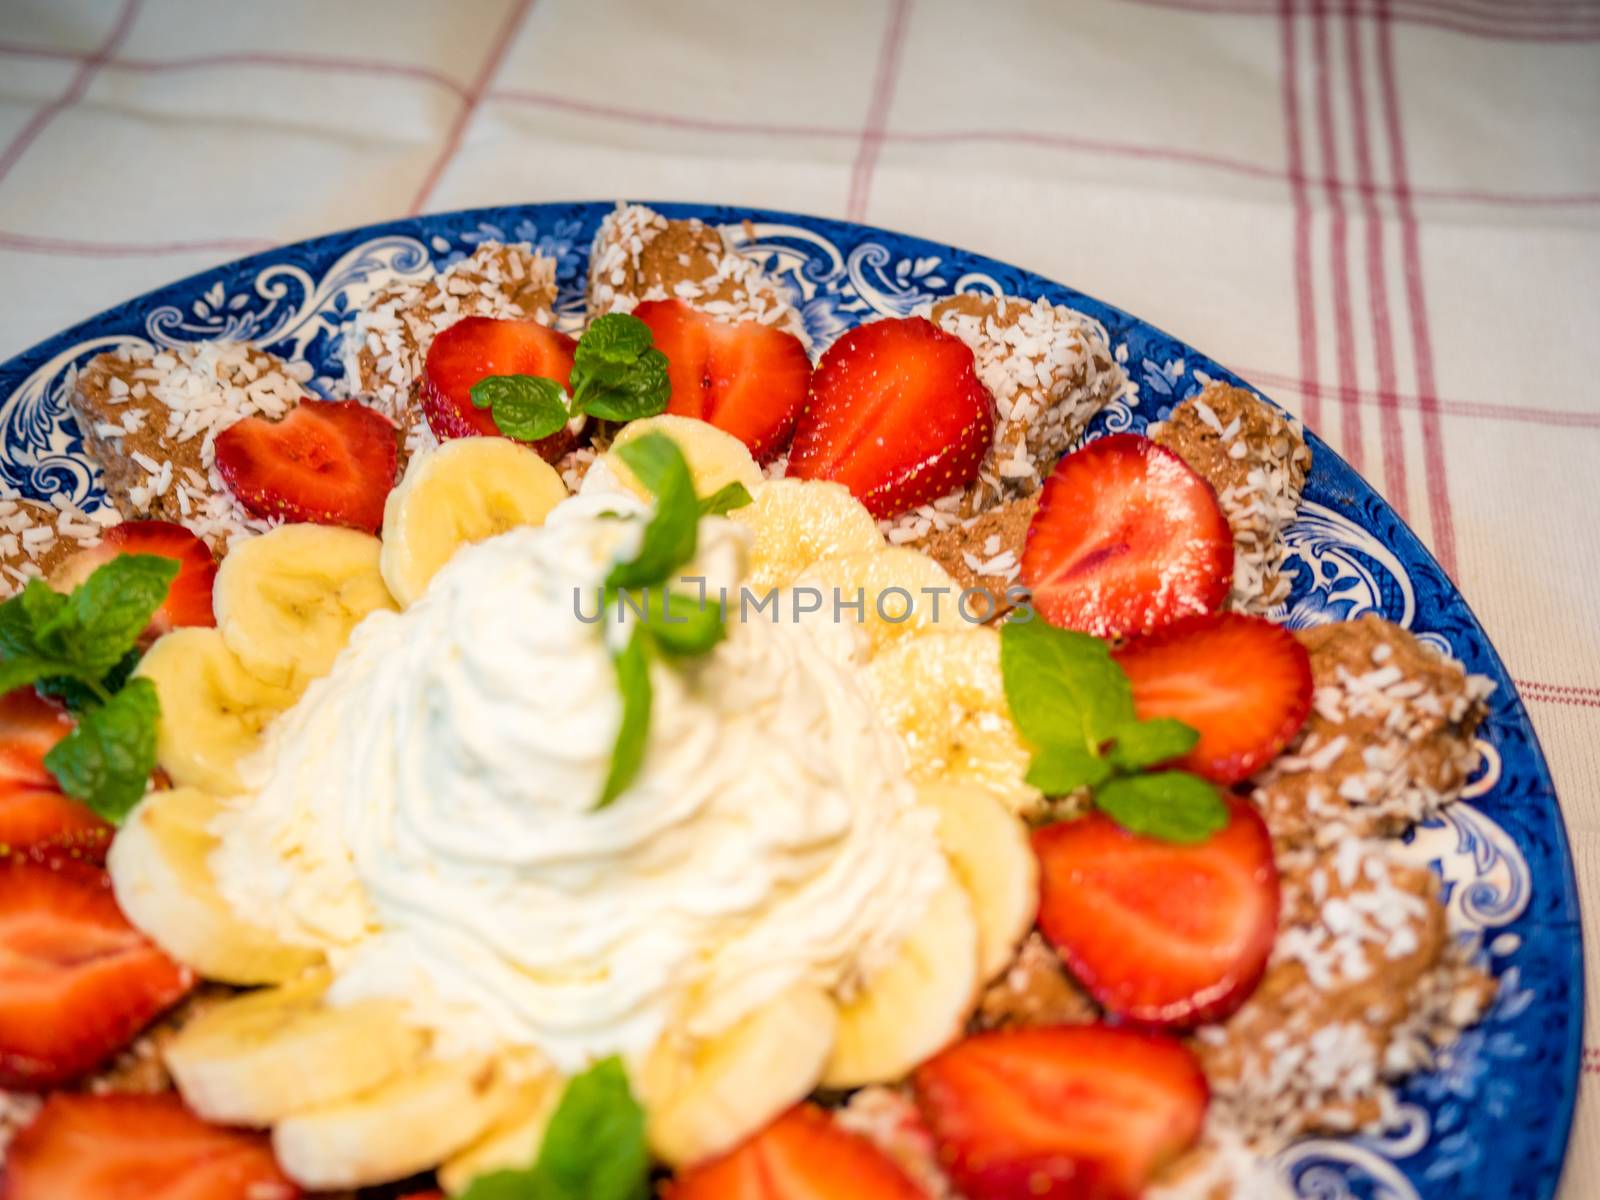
<point x="1385" y="213"/>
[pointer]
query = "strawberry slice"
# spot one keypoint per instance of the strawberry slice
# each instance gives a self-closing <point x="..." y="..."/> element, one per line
<point x="41" y="822"/>
<point x="30" y="726"/>
<point x="803" y="1155"/>
<point x="329" y="461"/>
<point x="188" y="600"/>
<point x="1127" y="537"/>
<point x="475" y="348"/>
<point x="1162" y="933"/>
<point x="896" y="414"/>
<point x="1242" y="681"/>
<point x="747" y="379"/>
<point x="77" y="982"/>
<point x="127" y="1146"/>
<point x="1067" y="1112"/>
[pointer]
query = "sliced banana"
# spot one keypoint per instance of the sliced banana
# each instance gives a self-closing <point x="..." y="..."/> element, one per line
<point x="212" y="709"/>
<point x="160" y="870"/>
<point x="943" y="693"/>
<point x="703" y="1103"/>
<point x="406" y="1125"/>
<point x="715" y="458"/>
<point x="467" y="490"/>
<point x="257" y="1058"/>
<point x="902" y="592"/>
<point x="799" y="522"/>
<point x="513" y="1141"/>
<point x="912" y="1008"/>
<point x="989" y="851"/>
<point x="286" y="601"/>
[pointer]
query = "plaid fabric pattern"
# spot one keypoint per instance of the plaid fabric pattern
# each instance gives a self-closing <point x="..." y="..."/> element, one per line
<point x="1386" y="213"/>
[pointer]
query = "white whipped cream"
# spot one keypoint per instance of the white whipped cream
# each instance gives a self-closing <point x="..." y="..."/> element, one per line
<point x="426" y="813"/>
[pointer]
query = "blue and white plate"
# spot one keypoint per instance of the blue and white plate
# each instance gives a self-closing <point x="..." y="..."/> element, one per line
<point x="1492" y="1119"/>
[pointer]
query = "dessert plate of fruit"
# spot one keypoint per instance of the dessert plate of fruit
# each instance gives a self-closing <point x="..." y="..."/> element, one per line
<point x="609" y="701"/>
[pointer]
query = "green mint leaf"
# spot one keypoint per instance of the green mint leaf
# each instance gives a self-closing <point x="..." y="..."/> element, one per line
<point x="24" y="669"/>
<point x="623" y="393"/>
<point x="632" y="665"/>
<point x="1062" y="687"/>
<point x="525" y="407"/>
<point x="614" y="338"/>
<point x="1141" y="744"/>
<point x="724" y="500"/>
<point x="103" y="618"/>
<point x="681" y="625"/>
<point x="79" y="695"/>
<point x="594" y="1147"/>
<point x="1060" y="770"/>
<point x="106" y="761"/>
<point x="1172" y="805"/>
<point x="669" y="539"/>
<point x="34" y="608"/>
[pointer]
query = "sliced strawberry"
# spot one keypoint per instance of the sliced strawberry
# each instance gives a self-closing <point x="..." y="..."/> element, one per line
<point x="474" y="349"/>
<point x="803" y="1155"/>
<point x="1069" y="1112"/>
<point x="131" y="1147"/>
<point x="1163" y="933"/>
<point x="29" y="727"/>
<point x="41" y="822"/>
<point x="896" y="414"/>
<point x="77" y="982"/>
<point x="188" y="600"/>
<point x="1127" y="538"/>
<point x="1242" y="681"/>
<point x="747" y="378"/>
<point x="329" y="461"/>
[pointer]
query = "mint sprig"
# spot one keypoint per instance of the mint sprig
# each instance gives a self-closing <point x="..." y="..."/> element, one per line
<point x="1074" y="705"/>
<point x="671" y="622"/>
<point x="617" y="375"/>
<point x="594" y="1147"/>
<point x="82" y="647"/>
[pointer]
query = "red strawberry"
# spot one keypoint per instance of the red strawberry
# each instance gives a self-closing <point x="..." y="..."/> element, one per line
<point x="475" y="348"/>
<point x="1163" y="933"/>
<point x="1127" y="538"/>
<point x="896" y="414"/>
<point x="29" y="727"/>
<point x="1243" y="682"/>
<point x="803" y="1155"/>
<point x="746" y="378"/>
<point x="130" y="1147"/>
<point x="329" y="461"/>
<point x="77" y="982"/>
<point x="188" y="600"/>
<point x="1070" y="1112"/>
<point x="42" y="821"/>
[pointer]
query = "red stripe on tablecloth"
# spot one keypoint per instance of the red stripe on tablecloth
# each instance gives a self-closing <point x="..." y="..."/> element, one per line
<point x="1392" y="437"/>
<point x="75" y="89"/>
<point x="72" y="248"/>
<point x="1467" y="24"/>
<point x="1571" y="688"/>
<point x="1441" y="520"/>
<point x="645" y="117"/>
<point x="878" y="110"/>
<point x="474" y="96"/>
<point x="1344" y="338"/>
<point x="1537" y="694"/>
<point x="1566" y="418"/>
<point x="1305" y="299"/>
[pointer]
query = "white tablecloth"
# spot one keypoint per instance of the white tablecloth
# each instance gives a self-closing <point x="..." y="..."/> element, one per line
<point x="1386" y="213"/>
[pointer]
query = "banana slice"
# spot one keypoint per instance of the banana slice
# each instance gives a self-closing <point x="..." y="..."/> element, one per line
<point x="512" y="1142"/>
<point x="257" y="1058"/>
<point x="406" y="1125"/>
<point x="704" y="1103"/>
<point x="912" y="1008"/>
<point x="212" y="709"/>
<point x="286" y="601"/>
<point x="902" y="591"/>
<point x="943" y="693"/>
<point x="162" y="878"/>
<point x="715" y="458"/>
<point x="799" y="522"/>
<point x="989" y="851"/>
<point x="467" y="490"/>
